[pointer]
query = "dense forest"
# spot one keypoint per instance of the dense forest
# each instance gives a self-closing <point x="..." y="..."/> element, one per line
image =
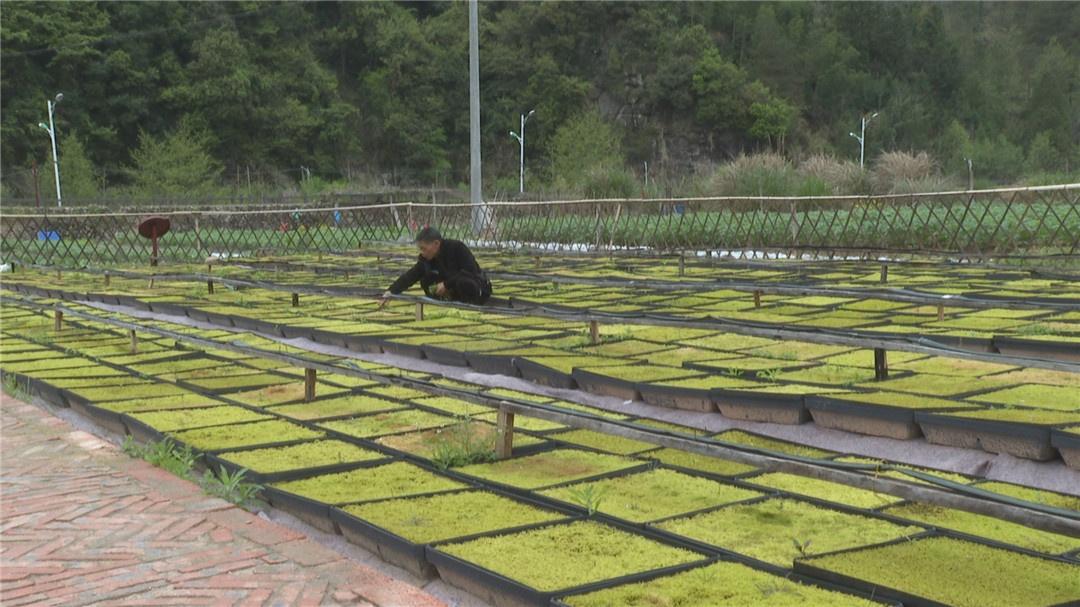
<point x="213" y="98"/>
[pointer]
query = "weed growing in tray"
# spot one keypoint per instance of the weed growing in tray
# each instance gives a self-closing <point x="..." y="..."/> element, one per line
<point x="230" y="486"/>
<point x="589" y="497"/>
<point x="462" y="444"/>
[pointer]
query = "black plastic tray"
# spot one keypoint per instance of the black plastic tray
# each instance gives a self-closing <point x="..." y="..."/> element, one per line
<point x="761" y="407"/>
<point x="1035" y="439"/>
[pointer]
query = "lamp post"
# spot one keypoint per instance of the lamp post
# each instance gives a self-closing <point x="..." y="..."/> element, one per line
<point x="862" y="137"/>
<point x="52" y="135"/>
<point x="521" y="140"/>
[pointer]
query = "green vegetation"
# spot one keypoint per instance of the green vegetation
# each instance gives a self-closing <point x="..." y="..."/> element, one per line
<point x="825" y="490"/>
<point x="165" y="421"/>
<point x="388" y="423"/>
<point x="164" y="454"/>
<point x="603" y="442"/>
<point x="779" y="530"/>
<point x="1035" y="395"/>
<point x="424" y="520"/>
<point x="956" y="572"/>
<point x="693" y="461"/>
<point x="1039" y="496"/>
<point x="243" y="435"/>
<point x="466" y="442"/>
<point x="772" y="444"/>
<point x="230" y="486"/>
<point x="549" y="468"/>
<point x="987" y="527"/>
<point x="569" y="555"/>
<point x="297" y="457"/>
<point x="654" y="494"/>
<point x="717" y="584"/>
<point x="353" y="404"/>
<point x="390" y="480"/>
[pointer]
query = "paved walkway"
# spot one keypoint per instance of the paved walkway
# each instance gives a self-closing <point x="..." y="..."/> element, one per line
<point x="82" y="523"/>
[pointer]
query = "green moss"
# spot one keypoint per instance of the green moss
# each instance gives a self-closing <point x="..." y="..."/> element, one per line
<point x="239" y="382"/>
<point x="693" y="461"/>
<point x="641" y="373"/>
<point x="677" y="356"/>
<point x="576" y="554"/>
<point x="1039" y="496"/>
<point x="398" y="392"/>
<point x="281" y="393"/>
<point x="774" y="530"/>
<point x="837" y="375"/>
<point x="423" y="520"/>
<point x="652" y="495"/>
<point x="950" y="476"/>
<point x="797" y="350"/>
<point x="1035" y="395"/>
<point x="243" y="435"/>
<point x="727" y="341"/>
<point x="661" y="425"/>
<point x="1030" y="375"/>
<point x="987" y="527"/>
<point x="772" y="444"/>
<point x="563" y="404"/>
<point x="708" y="382"/>
<point x="603" y="442"/>
<point x="566" y="364"/>
<point x="747" y="363"/>
<point x="298" y="457"/>
<point x="388" y="423"/>
<point x="141" y="391"/>
<point x="626" y="347"/>
<point x="942" y="365"/>
<point x="549" y="468"/>
<point x="717" y="584"/>
<point x="182" y="401"/>
<point x="820" y="300"/>
<point x="824" y="490"/>
<point x="164" y="421"/>
<point x="423" y="442"/>
<point x="352" y="404"/>
<point x="935" y="385"/>
<point x="453" y="406"/>
<point x="904" y="401"/>
<point x="865" y="358"/>
<point x="390" y="480"/>
<point x="1036" y="417"/>
<point x="961" y="573"/>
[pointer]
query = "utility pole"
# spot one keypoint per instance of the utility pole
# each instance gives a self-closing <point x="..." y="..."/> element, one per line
<point x="476" y="194"/>
<point x="521" y="140"/>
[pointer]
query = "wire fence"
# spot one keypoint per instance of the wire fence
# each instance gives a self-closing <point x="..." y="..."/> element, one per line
<point x="1042" y="222"/>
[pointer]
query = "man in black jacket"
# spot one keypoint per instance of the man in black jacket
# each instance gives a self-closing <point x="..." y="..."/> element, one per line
<point x="446" y="269"/>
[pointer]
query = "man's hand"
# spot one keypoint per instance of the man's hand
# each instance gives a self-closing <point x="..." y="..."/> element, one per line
<point x="440" y="289"/>
<point x="384" y="300"/>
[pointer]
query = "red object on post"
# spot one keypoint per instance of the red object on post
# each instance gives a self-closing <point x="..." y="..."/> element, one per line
<point x="154" y="227"/>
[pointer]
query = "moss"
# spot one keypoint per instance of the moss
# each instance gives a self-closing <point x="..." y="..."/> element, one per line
<point x="75" y="364"/>
<point x="703" y="463"/>
<point x="662" y="425"/>
<point x="942" y="365"/>
<point x="961" y="573"/>
<point x="421" y="443"/>
<point x="281" y="393"/>
<point x="717" y="584"/>
<point x="1036" y="417"/>
<point x="140" y="391"/>
<point x="820" y="300"/>
<point x="298" y="457"/>
<point x="626" y="347"/>
<point x="577" y="553"/>
<point x="398" y="392"/>
<point x="517" y="395"/>
<point x="987" y="527"/>
<point x="352" y="404"/>
<point x="388" y="423"/>
<point x="182" y="401"/>
<point x="977" y="324"/>
<point x="566" y="364"/>
<point x="824" y="490"/>
<point x="164" y="421"/>
<point x="1039" y="496"/>
<point x="424" y="520"/>
<point x="935" y="385"/>
<point x="904" y="401"/>
<point x="642" y="373"/>
<point x="950" y="476"/>
<point x="727" y="341"/>
<point x="1031" y="375"/>
<point x="243" y="381"/>
<point x="677" y="356"/>
<point x="774" y="530"/>
<point x="1035" y="395"/>
<point x="398" y="479"/>
<point x="772" y="444"/>
<point x="603" y="442"/>
<point x="798" y="350"/>
<point x="562" y="404"/>
<point x="746" y="363"/>
<point x="549" y="468"/>
<point x="707" y="382"/>
<point x="652" y="495"/>
<point x="453" y="406"/>
<point x="837" y="375"/>
<point x="243" y="435"/>
<point x="874" y="305"/>
<point x="347" y="381"/>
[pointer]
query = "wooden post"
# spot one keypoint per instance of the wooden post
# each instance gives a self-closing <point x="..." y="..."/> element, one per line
<point x="296" y="300"/>
<point x="106" y="279"/>
<point x="884" y="272"/>
<point x="209" y="268"/>
<point x="151" y="284"/>
<point x="134" y="341"/>
<point x="504" y="441"/>
<point x="881" y="365"/>
<point x="757" y="298"/>
<point x="309" y="385"/>
<point x="940" y="312"/>
<point x="58" y="319"/>
<point x="59" y="276"/>
<point x="682" y="264"/>
<point x="594" y="331"/>
<point x="210" y="287"/>
<point x="419" y="310"/>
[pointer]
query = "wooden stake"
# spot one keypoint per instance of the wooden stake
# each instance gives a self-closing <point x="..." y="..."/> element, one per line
<point x="941" y="312"/>
<point x="296" y="300"/>
<point x="134" y="341"/>
<point x="884" y="272"/>
<point x="594" y="331"/>
<point x="757" y="298"/>
<point x="59" y="276"/>
<point x="881" y="364"/>
<point x="106" y="279"/>
<point x="682" y="264"/>
<point x="504" y="443"/>
<point x="419" y="310"/>
<point x="309" y="385"/>
<point x="58" y="320"/>
<point x="209" y="268"/>
<point x="210" y="287"/>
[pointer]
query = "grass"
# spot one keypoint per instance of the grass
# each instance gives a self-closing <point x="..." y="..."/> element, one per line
<point x="297" y="457"/>
<point x="987" y="527"/>
<point x="166" y="421"/>
<point x="548" y="468"/>
<point x="243" y="435"/>
<point x="565" y="556"/>
<point x="398" y="479"/>
<point x="960" y="573"/>
<point x="824" y="490"/>
<point x="779" y="530"/>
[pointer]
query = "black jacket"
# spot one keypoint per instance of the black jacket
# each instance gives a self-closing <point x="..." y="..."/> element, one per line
<point x="454" y="264"/>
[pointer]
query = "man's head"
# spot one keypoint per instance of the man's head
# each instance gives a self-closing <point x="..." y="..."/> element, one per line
<point x="428" y="241"/>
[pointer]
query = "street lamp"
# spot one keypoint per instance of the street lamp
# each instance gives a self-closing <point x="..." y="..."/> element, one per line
<point x="51" y="129"/>
<point x="521" y="140"/>
<point x="862" y="137"/>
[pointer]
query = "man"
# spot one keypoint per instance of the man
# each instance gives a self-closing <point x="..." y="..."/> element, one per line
<point x="446" y="269"/>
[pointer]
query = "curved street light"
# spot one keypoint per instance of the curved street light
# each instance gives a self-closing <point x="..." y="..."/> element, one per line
<point x="521" y="140"/>
<point x="51" y="129"/>
<point x="862" y="138"/>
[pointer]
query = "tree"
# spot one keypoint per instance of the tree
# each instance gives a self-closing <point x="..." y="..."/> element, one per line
<point x="772" y="120"/>
<point x="177" y="163"/>
<point x="78" y="178"/>
<point x="582" y="146"/>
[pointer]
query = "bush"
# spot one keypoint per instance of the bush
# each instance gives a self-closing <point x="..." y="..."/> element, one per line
<point x="756" y="175"/>
<point x="604" y="182"/>
<point x="897" y="171"/>
<point x="840" y="177"/>
<point x="998" y="158"/>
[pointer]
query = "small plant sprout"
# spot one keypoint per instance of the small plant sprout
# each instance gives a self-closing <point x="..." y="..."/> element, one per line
<point x="230" y="486"/>
<point x="768" y="374"/>
<point x="733" y="372"/>
<point x="802" y="546"/>
<point x="462" y="444"/>
<point x="589" y="497"/>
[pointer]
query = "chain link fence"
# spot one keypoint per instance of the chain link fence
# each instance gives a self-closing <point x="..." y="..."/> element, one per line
<point x="1041" y="222"/>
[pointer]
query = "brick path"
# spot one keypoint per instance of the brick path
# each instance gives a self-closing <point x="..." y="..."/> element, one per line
<point x="82" y="523"/>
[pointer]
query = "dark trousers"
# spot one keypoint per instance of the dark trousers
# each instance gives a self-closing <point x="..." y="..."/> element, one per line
<point x="463" y="288"/>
